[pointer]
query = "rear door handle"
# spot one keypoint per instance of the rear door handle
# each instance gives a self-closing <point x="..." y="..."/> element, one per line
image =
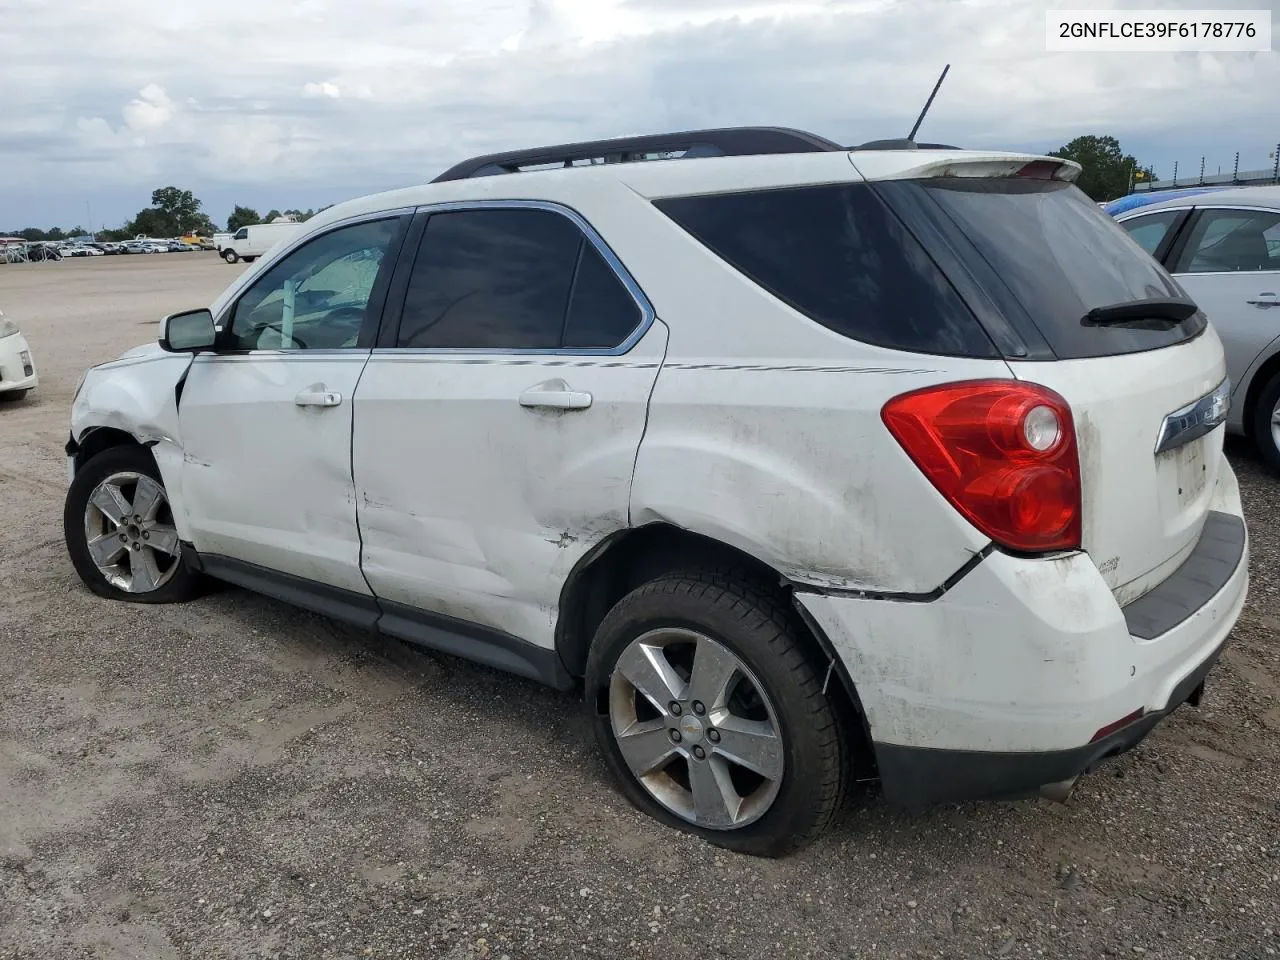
<point x="1271" y="301"/>
<point x="317" y="397"/>
<point x="555" y="395"/>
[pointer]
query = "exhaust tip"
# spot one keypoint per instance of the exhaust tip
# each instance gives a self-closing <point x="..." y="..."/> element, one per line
<point x="1059" y="792"/>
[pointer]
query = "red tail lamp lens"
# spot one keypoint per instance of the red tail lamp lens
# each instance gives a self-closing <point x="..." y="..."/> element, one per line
<point x="1003" y="453"/>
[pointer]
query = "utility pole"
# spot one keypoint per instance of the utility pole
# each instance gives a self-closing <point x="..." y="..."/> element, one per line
<point x="1202" y="171"/>
<point x="1275" y="171"/>
<point x="1175" y="173"/>
<point x="1235" y="171"/>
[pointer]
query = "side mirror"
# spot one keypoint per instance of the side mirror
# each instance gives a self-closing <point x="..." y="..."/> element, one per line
<point x="188" y="332"/>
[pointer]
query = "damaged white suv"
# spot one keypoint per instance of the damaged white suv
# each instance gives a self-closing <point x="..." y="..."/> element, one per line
<point x="800" y="460"/>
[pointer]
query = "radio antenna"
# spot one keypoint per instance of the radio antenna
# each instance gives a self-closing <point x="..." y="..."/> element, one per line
<point x="928" y="103"/>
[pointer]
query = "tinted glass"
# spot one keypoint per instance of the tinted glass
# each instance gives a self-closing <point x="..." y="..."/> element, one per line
<point x="1231" y="241"/>
<point x="1148" y="231"/>
<point x="1060" y="256"/>
<point x="840" y="257"/>
<point x="315" y="298"/>
<point x="602" y="312"/>
<point x="491" y="278"/>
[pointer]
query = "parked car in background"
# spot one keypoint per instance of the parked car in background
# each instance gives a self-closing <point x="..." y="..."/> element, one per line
<point x="17" y="370"/>
<point x="43" y="253"/>
<point x="1223" y="247"/>
<point x="805" y="463"/>
<point x="251" y="242"/>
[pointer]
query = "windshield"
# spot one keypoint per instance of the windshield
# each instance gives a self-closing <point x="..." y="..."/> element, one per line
<point x="1059" y="258"/>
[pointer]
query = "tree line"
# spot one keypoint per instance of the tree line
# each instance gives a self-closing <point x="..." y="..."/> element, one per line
<point x="1108" y="172"/>
<point x="174" y="212"/>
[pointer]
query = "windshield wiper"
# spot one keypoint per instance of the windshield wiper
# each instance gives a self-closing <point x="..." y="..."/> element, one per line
<point x="1162" y="311"/>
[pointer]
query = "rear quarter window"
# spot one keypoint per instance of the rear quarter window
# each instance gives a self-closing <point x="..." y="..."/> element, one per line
<point x="838" y="255"/>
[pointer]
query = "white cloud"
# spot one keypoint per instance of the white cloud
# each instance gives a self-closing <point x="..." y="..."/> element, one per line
<point x="243" y="95"/>
<point x="325" y="89"/>
<point x="151" y="110"/>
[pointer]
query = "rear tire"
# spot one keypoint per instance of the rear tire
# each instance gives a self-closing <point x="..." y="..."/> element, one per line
<point x="760" y="766"/>
<point x="230" y="255"/>
<point x="1265" y="428"/>
<point x="127" y="548"/>
<point x="13" y="396"/>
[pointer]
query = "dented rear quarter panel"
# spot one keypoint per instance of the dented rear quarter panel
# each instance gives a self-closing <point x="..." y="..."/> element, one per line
<point x="138" y="394"/>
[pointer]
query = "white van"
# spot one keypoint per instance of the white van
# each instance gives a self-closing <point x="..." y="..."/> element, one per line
<point x="249" y="243"/>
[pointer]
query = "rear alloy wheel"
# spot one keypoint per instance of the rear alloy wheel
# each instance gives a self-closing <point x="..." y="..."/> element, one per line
<point x="120" y="532"/>
<point x="230" y="255"/>
<point x="1266" y="424"/>
<point x="711" y="714"/>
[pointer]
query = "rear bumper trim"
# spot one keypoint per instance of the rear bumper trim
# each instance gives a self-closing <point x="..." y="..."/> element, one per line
<point x="918" y="777"/>
<point x="1205" y="572"/>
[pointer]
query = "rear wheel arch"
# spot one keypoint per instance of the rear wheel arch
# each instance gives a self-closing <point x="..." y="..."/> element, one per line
<point x="636" y="556"/>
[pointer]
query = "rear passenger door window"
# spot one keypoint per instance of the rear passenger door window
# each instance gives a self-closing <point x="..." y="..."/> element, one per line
<point x="1232" y="241"/>
<point x="513" y="279"/>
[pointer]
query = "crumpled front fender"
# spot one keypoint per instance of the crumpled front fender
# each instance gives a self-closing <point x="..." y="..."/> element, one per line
<point x="138" y="394"/>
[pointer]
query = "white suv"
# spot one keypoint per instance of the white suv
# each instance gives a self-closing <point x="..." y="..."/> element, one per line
<point x="805" y="463"/>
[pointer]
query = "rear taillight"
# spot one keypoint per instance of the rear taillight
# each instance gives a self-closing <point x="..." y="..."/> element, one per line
<point x="1003" y="453"/>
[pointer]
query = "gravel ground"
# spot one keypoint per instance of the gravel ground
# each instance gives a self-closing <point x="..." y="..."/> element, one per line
<point x="234" y="778"/>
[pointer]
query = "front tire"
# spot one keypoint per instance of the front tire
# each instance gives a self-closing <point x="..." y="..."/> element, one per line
<point x="120" y="533"/>
<point x="709" y="710"/>
<point x="1266" y="424"/>
<point x="230" y="255"/>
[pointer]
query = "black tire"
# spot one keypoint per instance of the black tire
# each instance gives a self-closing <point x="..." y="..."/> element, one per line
<point x="230" y="255"/>
<point x="758" y="626"/>
<point x="1260" y="429"/>
<point x="250" y="259"/>
<point x="183" y="584"/>
<point x="13" y="396"/>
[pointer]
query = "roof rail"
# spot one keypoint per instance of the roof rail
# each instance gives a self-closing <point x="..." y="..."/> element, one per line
<point x="724" y="142"/>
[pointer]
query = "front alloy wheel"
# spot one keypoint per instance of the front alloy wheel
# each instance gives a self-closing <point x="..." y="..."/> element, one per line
<point x="129" y="533"/>
<point x="120" y="530"/>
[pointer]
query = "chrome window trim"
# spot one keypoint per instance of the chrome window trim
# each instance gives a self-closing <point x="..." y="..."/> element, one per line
<point x="647" y="313"/>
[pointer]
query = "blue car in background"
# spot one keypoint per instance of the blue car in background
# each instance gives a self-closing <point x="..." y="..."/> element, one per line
<point x="1135" y="200"/>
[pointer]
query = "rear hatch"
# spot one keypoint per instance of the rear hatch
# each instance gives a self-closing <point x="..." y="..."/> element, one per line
<point x="1078" y="307"/>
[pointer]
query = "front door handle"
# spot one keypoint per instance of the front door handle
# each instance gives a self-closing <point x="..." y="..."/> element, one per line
<point x="1271" y="301"/>
<point x="555" y="395"/>
<point x="317" y="396"/>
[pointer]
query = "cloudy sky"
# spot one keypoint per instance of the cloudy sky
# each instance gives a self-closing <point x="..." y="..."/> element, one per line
<point x="300" y="103"/>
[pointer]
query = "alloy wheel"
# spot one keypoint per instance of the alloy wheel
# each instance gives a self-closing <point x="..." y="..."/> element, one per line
<point x="696" y="728"/>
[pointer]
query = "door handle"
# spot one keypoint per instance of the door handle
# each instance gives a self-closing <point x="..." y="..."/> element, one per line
<point x="317" y="397"/>
<point x="555" y="395"/>
<point x="1272" y="300"/>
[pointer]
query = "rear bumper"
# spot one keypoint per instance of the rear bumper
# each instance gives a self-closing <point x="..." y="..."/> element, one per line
<point x="919" y="777"/>
<point x="1002" y="684"/>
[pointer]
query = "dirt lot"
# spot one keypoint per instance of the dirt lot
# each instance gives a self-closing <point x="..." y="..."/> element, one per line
<point x="233" y="778"/>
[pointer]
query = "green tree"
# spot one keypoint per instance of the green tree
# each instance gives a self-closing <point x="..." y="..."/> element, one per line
<point x="1106" y="169"/>
<point x="180" y="206"/>
<point x="271" y="215"/>
<point x="242" y="217"/>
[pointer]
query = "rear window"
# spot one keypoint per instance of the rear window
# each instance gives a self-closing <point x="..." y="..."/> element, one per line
<point x="839" y="256"/>
<point x="1060" y="257"/>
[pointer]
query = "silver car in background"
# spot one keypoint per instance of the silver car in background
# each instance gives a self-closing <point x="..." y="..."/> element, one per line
<point x="1223" y="247"/>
